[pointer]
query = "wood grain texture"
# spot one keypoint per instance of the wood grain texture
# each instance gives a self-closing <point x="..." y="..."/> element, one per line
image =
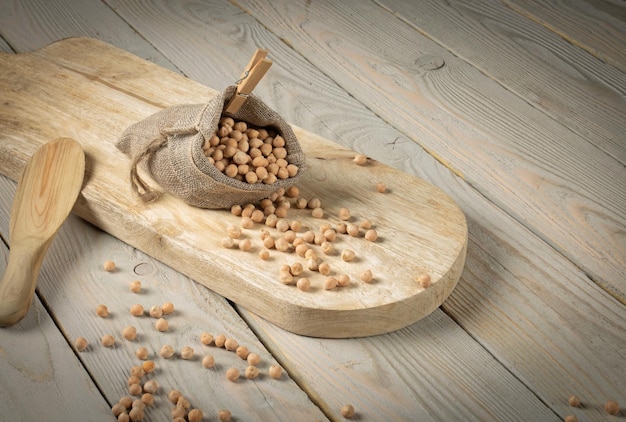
<point x="598" y="27"/>
<point x="39" y="373"/>
<point x="420" y="229"/>
<point x="73" y="283"/>
<point x="539" y="171"/>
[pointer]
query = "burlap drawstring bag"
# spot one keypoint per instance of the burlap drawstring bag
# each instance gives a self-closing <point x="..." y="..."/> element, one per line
<point x="168" y="146"/>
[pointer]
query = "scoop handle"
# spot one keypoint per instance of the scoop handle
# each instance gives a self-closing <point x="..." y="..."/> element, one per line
<point x="17" y="286"/>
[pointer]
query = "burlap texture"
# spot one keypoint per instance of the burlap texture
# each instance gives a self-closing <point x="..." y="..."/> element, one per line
<point x="168" y="146"/>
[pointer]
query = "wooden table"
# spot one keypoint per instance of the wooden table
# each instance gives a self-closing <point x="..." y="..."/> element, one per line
<point x="516" y="109"/>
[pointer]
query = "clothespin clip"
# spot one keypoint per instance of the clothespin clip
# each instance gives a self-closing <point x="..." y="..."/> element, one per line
<point x="256" y="69"/>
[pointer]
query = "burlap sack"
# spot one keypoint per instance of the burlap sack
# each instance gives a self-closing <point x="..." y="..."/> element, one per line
<point x="168" y="146"/>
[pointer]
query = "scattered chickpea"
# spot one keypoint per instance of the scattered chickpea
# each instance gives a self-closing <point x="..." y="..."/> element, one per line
<point x="220" y="340"/>
<point x="371" y="235"/>
<point x="141" y="353"/>
<point x="380" y="187"/>
<point x="424" y="280"/>
<point x="206" y="338"/>
<point x="344" y="214"/>
<point x="251" y="372"/>
<point x="147" y="399"/>
<point x="137" y="371"/>
<point x="303" y="284"/>
<point x="134" y="389"/>
<point x="236" y="210"/>
<point x="348" y="255"/>
<point x="227" y="242"/>
<point x="301" y="249"/>
<point x="295" y="225"/>
<point x="330" y="283"/>
<point x="275" y="371"/>
<point x="136" y="310"/>
<point x="570" y="418"/>
<point x="352" y="229"/>
<point x="178" y="414"/>
<point x="129" y="332"/>
<point x="242" y="352"/>
<point x="317" y="212"/>
<point x="148" y="366"/>
<point x="253" y="359"/>
<point x="156" y="311"/>
<point x="341" y="227"/>
<point x="365" y="224"/>
<point x="330" y="235"/>
<point x="102" y="311"/>
<point x="123" y="417"/>
<point x="126" y="401"/>
<point x="108" y="340"/>
<point x="296" y="269"/>
<point x="264" y="254"/>
<point x="186" y="352"/>
<point x="117" y="409"/>
<point x="366" y="276"/>
<point x="232" y="374"/>
<point x="133" y="379"/>
<point x="167" y="308"/>
<point x="208" y="361"/>
<point x="195" y="415"/>
<point x="360" y="159"/>
<point x="224" y="415"/>
<point x="611" y="407"/>
<point x="301" y="203"/>
<point x="135" y="286"/>
<point x="247" y="223"/>
<point x="150" y="386"/>
<point x="109" y="266"/>
<point x="314" y="203"/>
<point x="343" y="280"/>
<point x="231" y="344"/>
<point x="347" y="411"/>
<point x="161" y="325"/>
<point x="166" y="351"/>
<point x="174" y="395"/>
<point x="136" y="414"/>
<point x="293" y="192"/>
<point x="245" y="244"/>
<point x="285" y="277"/>
<point x="573" y="401"/>
<point x="324" y="268"/>
<point x="81" y="343"/>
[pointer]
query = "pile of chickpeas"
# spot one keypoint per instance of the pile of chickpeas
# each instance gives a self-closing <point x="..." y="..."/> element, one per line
<point x="249" y="154"/>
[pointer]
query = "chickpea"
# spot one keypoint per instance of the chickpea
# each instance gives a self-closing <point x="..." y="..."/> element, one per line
<point x="167" y="308"/>
<point x="107" y="340"/>
<point x="380" y="187"/>
<point x="424" y="280"/>
<point x="313" y="264"/>
<point x="227" y="242"/>
<point x="344" y="214"/>
<point x="224" y="415"/>
<point x="156" y="311"/>
<point x="232" y="374"/>
<point x="102" y="311"/>
<point x="330" y="283"/>
<point x="81" y="343"/>
<point x="148" y="366"/>
<point x="365" y="224"/>
<point x="611" y="407"/>
<point x="136" y="310"/>
<point x="245" y="244"/>
<point x="126" y="401"/>
<point x="328" y="248"/>
<point x="282" y="225"/>
<point x="293" y="192"/>
<point x="233" y="231"/>
<point x="574" y="401"/>
<point x="314" y="203"/>
<point x="186" y="352"/>
<point x="301" y="249"/>
<point x="347" y="411"/>
<point x="282" y="245"/>
<point x="570" y="418"/>
<point x="135" y="286"/>
<point x="366" y="276"/>
<point x="133" y="379"/>
<point x="134" y="389"/>
<point x="208" y="361"/>
<point x="330" y="235"/>
<point x="352" y="229"/>
<point x="257" y="215"/>
<point x="236" y="210"/>
<point x="141" y="353"/>
<point x="150" y="386"/>
<point x="231" y="344"/>
<point x="285" y="277"/>
<point x="117" y="408"/>
<point x="220" y="340"/>
<point x="275" y="371"/>
<point x="317" y="212"/>
<point x="253" y="359"/>
<point x="174" y="395"/>
<point x="360" y="159"/>
<point x="371" y="235"/>
<point x="242" y="352"/>
<point x="136" y="414"/>
<point x="301" y="203"/>
<point x="251" y="372"/>
<point x="195" y="415"/>
<point x="129" y="332"/>
<point x="247" y="222"/>
<point x="341" y="228"/>
<point x="296" y="269"/>
<point x="343" y="280"/>
<point x="109" y="266"/>
<point x="161" y="325"/>
<point x="264" y="254"/>
<point x="206" y="338"/>
<point x="348" y="255"/>
<point x="137" y="371"/>
<point x="303" y="284"/>
<point x="147" y="399"/>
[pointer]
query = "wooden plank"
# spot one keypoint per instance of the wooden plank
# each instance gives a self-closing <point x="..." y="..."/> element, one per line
<point x="39" y="373"/>
<point x="479" y="129"/>
<point x="292" y="87"/>
<point x="73" y="283"/>
<point x="186" y="237"/>
<point x="28" y="25"/>
<point x="598" y="27"/>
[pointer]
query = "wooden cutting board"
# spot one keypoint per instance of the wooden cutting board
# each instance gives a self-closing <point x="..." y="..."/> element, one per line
<point x="90" y="91"/>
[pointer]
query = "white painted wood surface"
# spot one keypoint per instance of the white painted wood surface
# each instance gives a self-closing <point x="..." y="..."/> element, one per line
<point x="521" y="300"/>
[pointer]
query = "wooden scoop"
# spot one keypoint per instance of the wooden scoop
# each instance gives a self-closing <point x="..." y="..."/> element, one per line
<point x="45" y="196"/>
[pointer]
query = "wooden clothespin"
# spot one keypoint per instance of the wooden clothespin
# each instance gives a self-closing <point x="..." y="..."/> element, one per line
<point x="256" y="69"/>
